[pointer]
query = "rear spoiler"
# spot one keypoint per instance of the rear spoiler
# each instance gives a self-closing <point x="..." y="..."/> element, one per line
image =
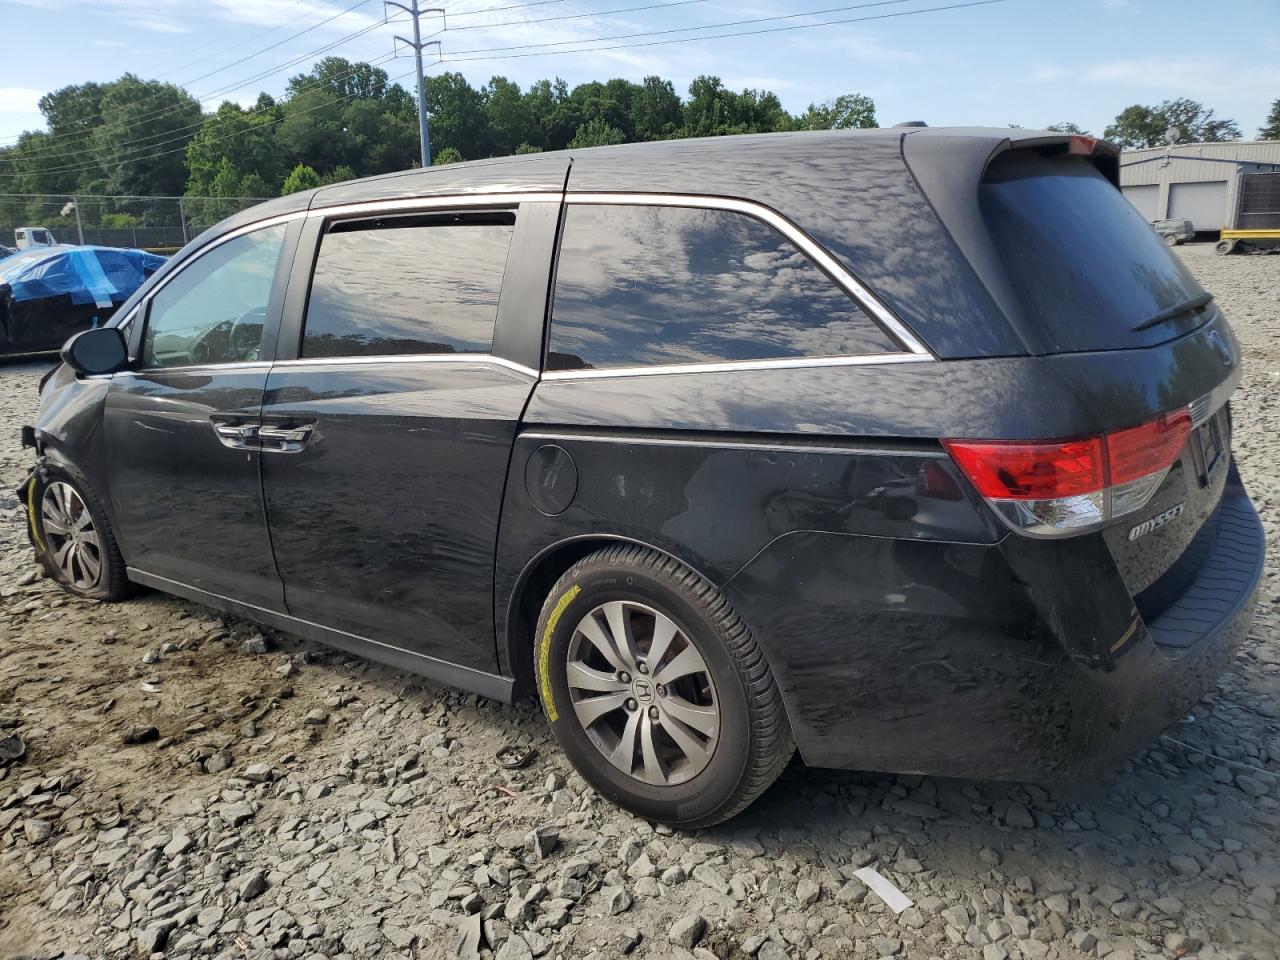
<point x="949" y="164"/>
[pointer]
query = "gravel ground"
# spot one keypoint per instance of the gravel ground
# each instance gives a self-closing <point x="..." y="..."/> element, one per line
<point x="288" y="801"/>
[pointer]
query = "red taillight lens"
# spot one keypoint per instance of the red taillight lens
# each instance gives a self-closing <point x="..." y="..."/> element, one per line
<point x="1058" y="488"/>
<point x="1142" y="450"/>
<point x="1030" y="471"/>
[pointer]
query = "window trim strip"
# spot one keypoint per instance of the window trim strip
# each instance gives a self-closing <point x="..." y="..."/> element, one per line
<point x="730" y="366"/>
<point x="851" y="285"/>
<point x="407" y="358"/>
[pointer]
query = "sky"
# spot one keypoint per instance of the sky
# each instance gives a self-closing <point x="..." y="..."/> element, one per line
<point x="1024" y="62"/>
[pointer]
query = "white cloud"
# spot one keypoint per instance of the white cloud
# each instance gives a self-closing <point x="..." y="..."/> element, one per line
<point x="20" y="100"/>
<point x="1197" y="76"/>
<point x="158" y="25"/>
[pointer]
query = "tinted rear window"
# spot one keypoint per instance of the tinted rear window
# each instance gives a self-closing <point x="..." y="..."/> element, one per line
<point x="645" y="285"/>
<point x="1086" y="265"/>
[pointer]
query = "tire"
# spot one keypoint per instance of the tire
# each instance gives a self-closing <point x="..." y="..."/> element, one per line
<point x="687" y="775"/>
<point x="1224" y="247"/>
<point x="90" y="565"/>
<point x="1171" y="240"/>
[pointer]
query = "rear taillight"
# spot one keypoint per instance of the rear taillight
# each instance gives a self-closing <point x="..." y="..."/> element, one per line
<point x="1055" y="488"/>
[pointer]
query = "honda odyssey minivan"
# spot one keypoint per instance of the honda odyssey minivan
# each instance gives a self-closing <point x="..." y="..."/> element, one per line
<point x="907" y="448"/>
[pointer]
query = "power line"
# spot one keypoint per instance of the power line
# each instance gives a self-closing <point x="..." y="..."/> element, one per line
<point x="238" y="133"/>
<point x="137" y="121"/>
<point x="257" y="53"/>
<point x="147" y="151"/>
<point x="222" y="91"/>
<point x="506" y="56"/>
<point x="580" y="16"/>
<point x="730" y="23"/>
<point x="720" y="36"/>
<point x="197" y="124"/>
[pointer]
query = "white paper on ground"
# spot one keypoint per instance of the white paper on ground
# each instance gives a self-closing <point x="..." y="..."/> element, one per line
<point x="895" y="899"/>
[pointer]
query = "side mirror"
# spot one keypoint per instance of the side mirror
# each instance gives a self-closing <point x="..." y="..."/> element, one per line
<point x="97" y="351"/>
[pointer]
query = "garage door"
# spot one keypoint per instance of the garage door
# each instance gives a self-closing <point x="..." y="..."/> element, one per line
<point x="1145" y="197"/>
<point x="1204" y="204"/>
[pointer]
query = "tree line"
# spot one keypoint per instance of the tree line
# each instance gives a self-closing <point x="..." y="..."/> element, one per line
<point x="346" y="119"/>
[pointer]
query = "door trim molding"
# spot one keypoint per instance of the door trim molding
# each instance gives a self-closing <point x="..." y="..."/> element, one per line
<point x="489" y="685"/>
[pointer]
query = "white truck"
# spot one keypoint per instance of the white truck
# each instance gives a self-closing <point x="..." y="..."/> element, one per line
<point x="25" y="238"/>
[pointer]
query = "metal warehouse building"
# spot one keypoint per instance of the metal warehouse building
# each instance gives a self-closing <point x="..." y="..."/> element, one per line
<point x="1232" y="185"/>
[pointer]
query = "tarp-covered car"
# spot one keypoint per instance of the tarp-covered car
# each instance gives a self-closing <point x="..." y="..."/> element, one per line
<point x="49" y="293"/>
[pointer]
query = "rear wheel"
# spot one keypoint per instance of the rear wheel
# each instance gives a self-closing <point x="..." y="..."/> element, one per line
<point x="1171" y="239"/>
<point x="657" y="691"/>
<point x="74" y="542"/>
<point x="1225" y="246"/>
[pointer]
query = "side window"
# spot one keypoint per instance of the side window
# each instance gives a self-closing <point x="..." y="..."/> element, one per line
<point x="426" y="284"/>
<point x="214" y="310"/>
<point x="646" y="285"/>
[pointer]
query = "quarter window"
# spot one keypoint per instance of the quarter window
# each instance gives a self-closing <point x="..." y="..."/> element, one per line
<point x="646" y="285"/>
<point x="408" y="286"/>
<point x="213" y="311"/>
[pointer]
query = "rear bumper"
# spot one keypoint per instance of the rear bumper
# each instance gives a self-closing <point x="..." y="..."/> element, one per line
<point x="1019" y="660"/>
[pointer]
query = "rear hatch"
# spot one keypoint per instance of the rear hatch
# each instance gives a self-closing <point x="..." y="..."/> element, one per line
<point x="1104" y="305"/>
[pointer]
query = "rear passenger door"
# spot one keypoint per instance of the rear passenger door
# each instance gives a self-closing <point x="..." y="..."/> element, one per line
<point x="404" y="366"/>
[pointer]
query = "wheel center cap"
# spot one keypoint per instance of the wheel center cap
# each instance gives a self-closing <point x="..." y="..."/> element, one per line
<point x="642" y="690"/>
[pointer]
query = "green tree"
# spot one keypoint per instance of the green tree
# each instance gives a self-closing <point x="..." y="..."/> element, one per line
<point x="339" y="77"/>
<point x="507" y="111"/>
<point x="1271" y="129"/>
<point x="527" y="148"/>
<point x="544" y="100"/>
<point x="1068" y="127"/>
<point x="597" y="133"/>
<point x="446" y="156"/>
<point x="1190" y="121"/>
<point x="847" y="111"/>
<point x="338" y="175"/>
<point x="457" y="116"/>
<point x="300" y="178"/>
<point x="344" y="113"/>
<point x="713" y="110"/>
<point x="141" y="138"/>
<point x="656" y="111"/>
<point x="247" y="138"/>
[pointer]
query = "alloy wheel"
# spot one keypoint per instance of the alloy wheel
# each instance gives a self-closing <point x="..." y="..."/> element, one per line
<point x="643" y="693"/>
<point x="70" y="535"/>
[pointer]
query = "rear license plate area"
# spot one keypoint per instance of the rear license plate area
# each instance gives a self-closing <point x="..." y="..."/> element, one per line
<point x="1210" y="446"/>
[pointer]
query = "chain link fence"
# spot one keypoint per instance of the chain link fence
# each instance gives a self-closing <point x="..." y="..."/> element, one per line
<point x="158" y="224"/>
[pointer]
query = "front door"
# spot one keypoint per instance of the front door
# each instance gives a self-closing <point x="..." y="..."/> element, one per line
<point x="396" y="420"/>
<point x="182" y="462"/>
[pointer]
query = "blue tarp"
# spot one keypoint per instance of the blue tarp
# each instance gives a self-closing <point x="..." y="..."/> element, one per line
<point x="102" y="276"/>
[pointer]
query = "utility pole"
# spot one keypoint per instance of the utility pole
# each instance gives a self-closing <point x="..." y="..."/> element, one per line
<point x="418" y="44"/>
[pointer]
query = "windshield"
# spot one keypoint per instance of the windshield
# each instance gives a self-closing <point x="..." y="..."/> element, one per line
<point x="1087" y="266"/>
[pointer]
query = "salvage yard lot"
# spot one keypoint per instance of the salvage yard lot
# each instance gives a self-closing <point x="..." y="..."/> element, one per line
<point x="283" y="800"/>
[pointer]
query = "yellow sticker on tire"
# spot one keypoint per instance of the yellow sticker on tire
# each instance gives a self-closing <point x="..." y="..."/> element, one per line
<point x="544" y="650"/>
<point x="31" y="515"/>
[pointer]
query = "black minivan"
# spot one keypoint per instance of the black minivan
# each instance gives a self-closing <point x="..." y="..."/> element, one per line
<point x="909" y="448"/>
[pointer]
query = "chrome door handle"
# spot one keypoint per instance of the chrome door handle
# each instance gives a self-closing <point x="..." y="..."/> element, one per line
<point x="283" y="439"/>
<point x="237" y="436"/>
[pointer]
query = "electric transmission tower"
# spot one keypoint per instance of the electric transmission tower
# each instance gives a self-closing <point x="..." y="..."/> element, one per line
<point x="418" y="45"/>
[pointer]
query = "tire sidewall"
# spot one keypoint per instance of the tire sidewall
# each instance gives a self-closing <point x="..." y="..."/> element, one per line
<point x="581" y="591"/>
<point x="53" y="472"/>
